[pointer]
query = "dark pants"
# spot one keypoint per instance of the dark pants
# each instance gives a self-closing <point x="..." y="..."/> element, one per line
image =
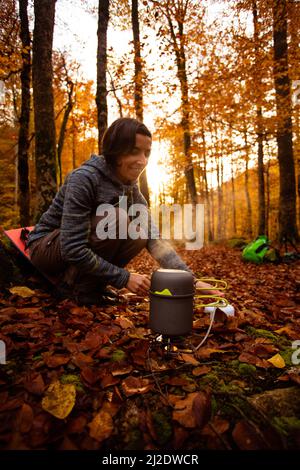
<point x="45" y="254"/>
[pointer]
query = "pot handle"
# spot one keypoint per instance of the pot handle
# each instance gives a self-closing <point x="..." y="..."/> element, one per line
<point x="219" y="301"/>
<point x="218" y="284"/>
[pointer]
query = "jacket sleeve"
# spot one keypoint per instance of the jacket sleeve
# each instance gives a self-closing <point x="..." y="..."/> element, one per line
<point x="75" y="229"/>
<point x="160" y="249"/>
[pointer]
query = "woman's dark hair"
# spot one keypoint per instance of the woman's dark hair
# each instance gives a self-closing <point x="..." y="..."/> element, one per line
<point x="119" y="138"/>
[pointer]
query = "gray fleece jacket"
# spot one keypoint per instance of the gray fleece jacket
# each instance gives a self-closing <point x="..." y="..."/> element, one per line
<point x="85" y="188"/>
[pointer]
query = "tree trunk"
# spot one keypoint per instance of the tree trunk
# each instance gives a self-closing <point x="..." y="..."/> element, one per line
<point x="42" y="73"/>
<point x="207" y="201"/>
<point x="101" y="94"/>
<point x="138" y="85"/>
<point x="259" y="128"/>
<point x="234" y="230"/>
<point x="23" y="140"/>
<point x="247" y="193"/>
<point x="220" y="199"/>
<point x="294" y="56"/>
<point x="63" y="128"/>
<point x="179" y="50"/>
<point x="74" y="130"/>
<point x="268" y="197"/>
<point x="287" y="198"/>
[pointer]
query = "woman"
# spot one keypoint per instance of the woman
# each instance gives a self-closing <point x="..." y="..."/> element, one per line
<point x="66" y="239"/>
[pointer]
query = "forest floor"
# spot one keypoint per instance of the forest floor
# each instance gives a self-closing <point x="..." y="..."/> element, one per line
<point x="94" y="378"/>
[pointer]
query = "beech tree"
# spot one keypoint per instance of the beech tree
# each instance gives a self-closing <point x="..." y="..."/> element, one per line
<point x="287" y="197"/>
<point x="23" y="140"/>
<point x="138" y="84"/>
<point x="42" y="75"/>
<point x="175" y="13"/>
<point x="101" y="94"/>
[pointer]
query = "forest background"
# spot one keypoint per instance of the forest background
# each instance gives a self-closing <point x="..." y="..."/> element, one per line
<point x="217" y="82"/>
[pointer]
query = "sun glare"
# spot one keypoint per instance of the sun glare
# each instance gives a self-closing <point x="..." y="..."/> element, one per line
<point x="157" y="171"/>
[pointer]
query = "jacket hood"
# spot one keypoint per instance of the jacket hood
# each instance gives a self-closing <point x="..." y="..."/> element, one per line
<point x="99" y="162"/>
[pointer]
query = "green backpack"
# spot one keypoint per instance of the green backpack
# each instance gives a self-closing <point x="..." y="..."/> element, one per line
<point x="256" y="250"/>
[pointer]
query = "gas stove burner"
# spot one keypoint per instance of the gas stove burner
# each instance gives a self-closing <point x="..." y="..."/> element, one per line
<point x="171" y="346"/>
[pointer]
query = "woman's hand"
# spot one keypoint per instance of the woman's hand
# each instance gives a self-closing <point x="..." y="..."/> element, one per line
<point x="207" y="289"/>
<point x="138" y="283"/>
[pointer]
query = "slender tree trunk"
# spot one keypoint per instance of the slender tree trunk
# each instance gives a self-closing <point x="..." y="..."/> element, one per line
<point x="23" y="141"/>
<point x="220" y="199"/>
<point x="206" y="190"/>
<point x="287" y="198"/>
<point x="233" y="204"/>
<point x="138" y="84"/>
<point x="73" y="143"/>
<point x="101" y="93"/>
<point x="212" y="205"/>
<point x="247" y="192"/>
<point x="63" y="128"/>
<point x="259" y="128"/>
<point x="113" y="89"/>
<point x="268" y="197"/>
<point x="138" y="72"/>
<point x="42" y="74"/>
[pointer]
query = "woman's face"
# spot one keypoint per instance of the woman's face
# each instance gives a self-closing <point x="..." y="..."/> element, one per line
<point x="129" y="167"/>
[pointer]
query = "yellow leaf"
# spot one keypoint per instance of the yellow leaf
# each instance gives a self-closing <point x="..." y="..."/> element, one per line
<point x="102" y="426"/>
<point x="59" y="399"/>
<point x="22" y="291"/>
<point x="277" y="361"/>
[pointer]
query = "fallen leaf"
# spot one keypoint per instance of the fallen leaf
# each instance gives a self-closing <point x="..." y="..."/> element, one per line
<point x="216" y="425"/>
<point x="254" y="360"/>
<point x="55" y="360"/>
<point x="202" y="370"/>
<point x="34" y="383"/>
<point x="89" y="375"/>
<point x="7" y="311"/>
<point x="11" y="404"/>
<point x="202" y="408"/>
<point x="178" y="381"/>
<point x="22" y="291"/>
<point x="183" y="412"/>
<point x="101" y="426"/>
<point x="188" y="358"/>
<point x="124" y="322"/>
<point x="25" y="418"/>
<point x="81" y="360"/>
<point x="262" y="350"/>
<point x="288" y="331"/>
<point x="59" y="399"/>
<point x="121" y="370"/>
<point x="277" y="361"/>
<point x="109" y="380"/>
<point x="204" y="353"/>
<point x="76" y="425"/>
<point x="134" y="385"/>
<point x="246" y="437"/>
